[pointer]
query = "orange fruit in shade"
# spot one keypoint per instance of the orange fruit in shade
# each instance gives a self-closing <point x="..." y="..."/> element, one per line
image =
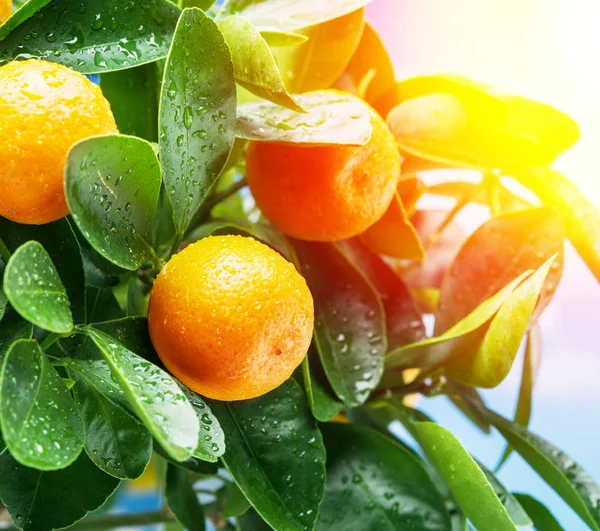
<point x="316" y="63"/>
<point x="45" y="108"/>
<point x="324" y="192"/>
<point x="370" y="65"/>
<point x="230" y="317"/>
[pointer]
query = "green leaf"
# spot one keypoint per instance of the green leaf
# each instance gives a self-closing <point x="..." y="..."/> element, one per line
<point x="36" y="500"/>
<point x="567" y="478"/>
<point x="276" y="456"/>
<point x="133" y="98"/>
<point x="115" y="441"/>
<point x="236" y="503"/>
<point x="98" y="36"/>
<point x="332" y="118"/>
<point x="350" y="331"/>
<point x="250" y="521"/>
<point x="182" y="500"/>
<point x="489" y="363"/>
<point x="514" y="509"/>
<point x="137" y="298"/>
<point x="274" y="15"/>
<point x="21" y="14"/>
<point x="581" y="217"/>
<point x="375" y="483"/>
<point x="464" y="478"/>
<point x="543" y="519"/>
<point x="13" y="328"/>
<point x="323" y="404"/>
<point x="197" y="114"/>
<point x="60" y="242"/>
<point x="531" y="360"/>
<point x="463" y="336"/>
<point x="34" y="289"/>
<point x="192" y="464"/>
<point x="202" y="4"/>
<point x="498" y="251"/>
<point x="112" y="184"/>
<point x="103" y="305"/>
<point x="40" y="423"/>
<point x="283" y="39"/>
<point x="132" y="333"/>
<point x="254" y="65"/>
<point x="154" y="396"/>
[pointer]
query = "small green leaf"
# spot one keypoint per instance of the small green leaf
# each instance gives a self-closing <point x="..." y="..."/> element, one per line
<point x="211" y="444"/>
<point x="332" y="118"/>
<point x="375" y="483"/>
<point x="511" y="504"/>
<point x="567" y="478"/>
<point x="192" y="464"/>
<point x="283" y="39"/>
<point x="464" y="478"/>
<point x="61" y="244"/>
<point x="153" y="395"/>
<point x="182" y="500"/>
<point x="13" y="327"/>
<point x="36" y="500"/>
<point x="115" y="441"/>
<point x="34" y="289"/>
<point x="581" y="217"/>
<point x="350" y="331"/>
<point x="543" y="519"/>
<point x="274" y="15"/>
<point x="103" y="305"/>
<point x="462" y="337"/>
<point x="98" y="36"/>
<point x="499" y="250"/>
<point x="133" y="97"/>
<point x="236" y="503"/>
<point x="276" y="456"/>
<point x="112" y="184"/>
<point x="197" y="114"/>
<point x="254" y="65"/>
<point x="323" y="404"/>
<point x="40" y="423"/>
<point x="531" y="360"/>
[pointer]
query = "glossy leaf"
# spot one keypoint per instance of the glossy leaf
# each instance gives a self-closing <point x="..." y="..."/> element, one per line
<point x="99" y="36"/>
<point x="580" y="216"/>
<point x="112" y="184"/>
<point x="275" y="15"/>
<point x="573" y="484"/>
<point x="350" y="331"/>
<point x="133" y="97"/>
<point x="35" y="499"/>
<point x="251" y="521"/>
<point x="103" y="305"/>
<point x="254" y="65"/>
<point x="514" y="509"/>
<point x="236" y="503"/>
<point x="20" y="15"/>
<point x="498" y="251"/>
<point x="40" y="423"/>
<point x="12" y="328"/>
<point x="542" y="518"/>
<point x="531" y="360"/>
<point x="132" y="333"/>
<point x="332" y="118"/>
<point x="276" y="456"/>
<point x="35" y="290"/>
<point x="60" y="242"/>
<point x="114" y="440"/>
<point x="403" y="323"/>
<point x="323" y="404"/>
<point x="464" y="336"/>
<point x="154" y="396"/>
<point x="197" y="114"/>
<point x="375" y="483"/>
<point x="182" y="499"/>
<point x="466" y="481"/>
<point x="491" y="361"/>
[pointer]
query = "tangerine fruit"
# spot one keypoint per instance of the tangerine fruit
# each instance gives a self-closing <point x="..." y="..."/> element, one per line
<point x="230" y="317"/>
<point x="45" y="108"/>
<point x="324" y="192"/>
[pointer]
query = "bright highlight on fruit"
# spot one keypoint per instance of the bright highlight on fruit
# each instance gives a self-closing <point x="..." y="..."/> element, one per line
<point x="230" y="317"/>
<point x="45" y="108"/>
<point x="325" y="193"/>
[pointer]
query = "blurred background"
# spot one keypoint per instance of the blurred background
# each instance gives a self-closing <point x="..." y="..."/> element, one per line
<point x="546" y="50"/>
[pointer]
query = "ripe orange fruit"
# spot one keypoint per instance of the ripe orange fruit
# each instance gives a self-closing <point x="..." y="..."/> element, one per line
<point x="45" y="108"/>
<point x="325" y="192"/>
<point x="230" y="317"/>
<point x="318" y="62"/>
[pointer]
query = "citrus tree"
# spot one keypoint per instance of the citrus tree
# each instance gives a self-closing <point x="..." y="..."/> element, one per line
<point x="218" y="259"/>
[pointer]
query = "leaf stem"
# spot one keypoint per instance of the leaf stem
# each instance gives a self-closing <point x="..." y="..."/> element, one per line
<point x="219" y="197"/>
